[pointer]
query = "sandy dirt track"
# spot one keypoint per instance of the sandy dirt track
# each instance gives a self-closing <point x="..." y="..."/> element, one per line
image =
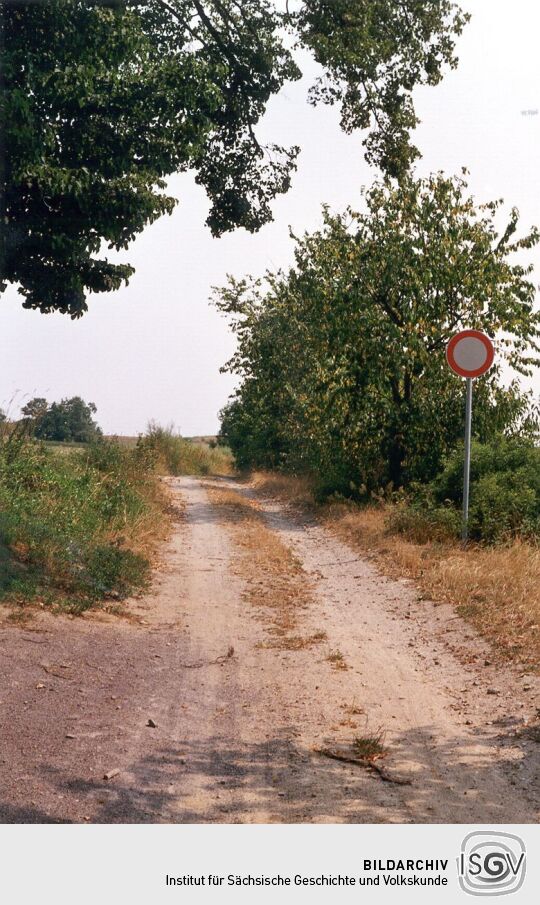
<point x="237" y="721"/>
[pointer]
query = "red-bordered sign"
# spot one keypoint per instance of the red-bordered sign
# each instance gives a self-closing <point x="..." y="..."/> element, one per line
<point x="470" y="353"/>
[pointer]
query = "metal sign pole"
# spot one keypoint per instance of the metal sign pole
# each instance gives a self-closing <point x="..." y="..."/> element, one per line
<point x="467" y="464"/>
<point x="470" y="354"/>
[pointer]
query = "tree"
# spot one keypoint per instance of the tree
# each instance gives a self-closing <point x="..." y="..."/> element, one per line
<point x="103" y="99"/>
<point x="342" y="357"/>
<point x="70" y="420"/>
<point x="35" y="409"/>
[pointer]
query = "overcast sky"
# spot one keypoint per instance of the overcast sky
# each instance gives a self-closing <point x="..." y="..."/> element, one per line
<point x="153" y="349"/>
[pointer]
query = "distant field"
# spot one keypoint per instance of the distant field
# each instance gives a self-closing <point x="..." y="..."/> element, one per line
<point x="173" y="455"/>
<point x="131" y="441"/>
<point x="123" y="441"/>
<point x="62" y="447"/>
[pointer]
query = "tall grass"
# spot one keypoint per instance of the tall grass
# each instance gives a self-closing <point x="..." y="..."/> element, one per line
<point x="174" y="455"/>
<point x="79" y="527"/>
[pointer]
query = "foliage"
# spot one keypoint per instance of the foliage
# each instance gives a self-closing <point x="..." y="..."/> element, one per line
<point x="103" y="99"/>
<point x="504" y="496"/>
<point x="174" y="455"/>
<point x="67" y="421"/>
<point x="74" y="523"/>
<point x="342" y="358"/>
<point x="35" y="408"/>
<point x="422" y="521"/>
<point x="373" y="53"/>
<point x="505" y="488"/>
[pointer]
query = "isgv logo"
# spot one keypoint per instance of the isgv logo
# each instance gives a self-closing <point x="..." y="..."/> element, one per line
<point x="491" y="864"/>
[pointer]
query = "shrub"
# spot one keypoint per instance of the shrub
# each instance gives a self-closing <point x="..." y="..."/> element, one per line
<point x="504" y="495"/>
<point x="77" y="523"/>
<point x="174" y="455"/>
<point x="423" y="523"/>
<point x="111" y="570"/>
<point x="505" y="488"/>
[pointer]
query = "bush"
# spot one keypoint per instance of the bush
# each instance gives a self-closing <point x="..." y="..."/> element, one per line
<point x="77" y="522"/>
<point x="505" y="488"/>
<point x="424" y="523"/>
<point x="113" y="570"/>
<point x="175" y="455"/>
<point x="504" y="495"/>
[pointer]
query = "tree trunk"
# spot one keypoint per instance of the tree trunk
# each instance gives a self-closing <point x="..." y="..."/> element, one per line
<point x="396" y="457"/>
<point x="401" y="395"/>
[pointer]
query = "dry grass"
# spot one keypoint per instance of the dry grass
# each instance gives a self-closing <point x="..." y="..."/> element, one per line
<point x="495" y="588"/>
<point x="274" y="577"/>
<point x="295" y="490"/>
<point x="147" y="534"/>
<point x="353" y="709"/>
<point x="293" y="642"/>
<point x="177" y="456"/>
<point x="336" y="658"/>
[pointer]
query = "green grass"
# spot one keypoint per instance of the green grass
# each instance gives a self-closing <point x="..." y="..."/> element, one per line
<point x="369" y="747"/>
<point x="76" y="528"/>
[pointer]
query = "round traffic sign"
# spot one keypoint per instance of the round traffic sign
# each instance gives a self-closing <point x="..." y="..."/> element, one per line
<point x="470" y="353"/>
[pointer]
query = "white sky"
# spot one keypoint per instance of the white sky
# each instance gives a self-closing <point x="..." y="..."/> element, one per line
<point x="153" y="350"/>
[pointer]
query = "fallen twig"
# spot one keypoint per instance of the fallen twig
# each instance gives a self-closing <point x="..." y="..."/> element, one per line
<point x="53" y="669"/>
<point x="198" y="664"/>
<point x="340" y="562"/>
<point x="363" y="762"/>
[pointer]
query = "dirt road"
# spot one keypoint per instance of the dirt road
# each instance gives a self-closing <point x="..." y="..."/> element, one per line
<point x="235" y="718"/>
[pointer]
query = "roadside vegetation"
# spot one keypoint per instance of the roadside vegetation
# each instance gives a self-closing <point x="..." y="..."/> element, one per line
<point x="80" y="526"/>
<point x="76" y="528"/>
<point x="176" y="455"/>
<point x="342" y="357"/>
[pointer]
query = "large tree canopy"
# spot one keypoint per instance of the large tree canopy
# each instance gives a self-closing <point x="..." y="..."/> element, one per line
<point x="103" y="99"/>
<point x="342" y="358"/>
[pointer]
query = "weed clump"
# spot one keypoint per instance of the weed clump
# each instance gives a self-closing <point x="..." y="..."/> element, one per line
<point x="370" y="746"/>
<point x="76" y="528"/>
<point x="174" y="455"/>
